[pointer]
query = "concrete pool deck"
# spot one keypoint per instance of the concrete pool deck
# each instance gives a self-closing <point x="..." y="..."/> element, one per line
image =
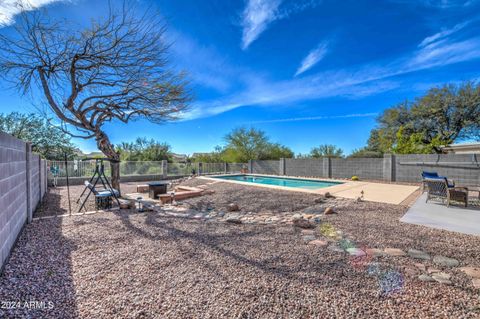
<point x="374" y="192"/>
<point x="438" y="215"/>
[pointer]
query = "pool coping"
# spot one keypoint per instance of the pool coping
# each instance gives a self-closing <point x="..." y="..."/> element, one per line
<point x="382" y="192"/>
<point x="321" y="191"/>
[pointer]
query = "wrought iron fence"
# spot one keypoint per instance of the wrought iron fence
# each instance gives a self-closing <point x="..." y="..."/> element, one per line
<point x="79" y="168"/>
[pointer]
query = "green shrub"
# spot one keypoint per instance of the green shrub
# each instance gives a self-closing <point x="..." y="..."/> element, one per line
<point x="355" y="178"/>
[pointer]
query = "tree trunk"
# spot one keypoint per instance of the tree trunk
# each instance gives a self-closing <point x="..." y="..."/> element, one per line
<point x="107" y="148"/>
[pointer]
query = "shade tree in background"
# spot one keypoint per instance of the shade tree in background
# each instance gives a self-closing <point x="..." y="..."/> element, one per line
<point x="326" y="150"/>
<point x="444" y="115"/>
<point x="46" y="139"/>
<point x="143" y="149"/>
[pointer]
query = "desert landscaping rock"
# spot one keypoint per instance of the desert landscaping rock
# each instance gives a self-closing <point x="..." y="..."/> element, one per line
<point x="308" y="238"/>
<point x="374" y="252"/>
<point x="329" y="211"/>
<point x="396" y="252"/>
<point x="473" y="272"/>
<point x="445" y="261"/>
<point x="433" y="270"/>
<point x="233" y="207"/>
<point x="442" y="278"/>
<point x="418" y="254"/>
<point x="355" y="252"/>
<point x="426" y="278"/>
<point x="476" y="283"/>
<point x="318" y="242"/>
<point x="303" y="223"/>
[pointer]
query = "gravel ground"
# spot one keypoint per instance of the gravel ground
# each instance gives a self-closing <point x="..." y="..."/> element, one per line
<point x="126" y="264"/>
<point x="55" y="201"/>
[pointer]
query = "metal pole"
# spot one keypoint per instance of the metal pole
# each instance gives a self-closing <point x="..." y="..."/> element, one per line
<point x="68" y="186"/>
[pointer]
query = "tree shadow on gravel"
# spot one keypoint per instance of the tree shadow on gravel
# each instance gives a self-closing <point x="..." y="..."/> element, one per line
<point x="37" y="281"/>
<point x="239" y="237"/>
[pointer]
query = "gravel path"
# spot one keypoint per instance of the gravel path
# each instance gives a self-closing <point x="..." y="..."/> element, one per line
<point x="126" y="264"/>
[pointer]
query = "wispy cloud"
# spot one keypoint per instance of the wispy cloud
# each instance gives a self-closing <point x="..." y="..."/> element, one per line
<point x="315" y="118"/>
<point x="443" y="34"/>
<point x="313" y="57"/>
<point x="258" y="14"/>
<point x="256" y="17"/>
<point x="439" y="4"/>
<point x="10" y="8"/>
<point x="356" y="82"/>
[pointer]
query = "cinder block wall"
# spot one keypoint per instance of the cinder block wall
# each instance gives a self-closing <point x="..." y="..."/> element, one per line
<point x="364" y="168"/>
<point x="266" y="167"/>
<point x="463" y="168"/>
<point x="20" y="188"/>
<point x="305" y="167"/>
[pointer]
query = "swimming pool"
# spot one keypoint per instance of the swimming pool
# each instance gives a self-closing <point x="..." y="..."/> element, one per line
<point x="280" y="181"/>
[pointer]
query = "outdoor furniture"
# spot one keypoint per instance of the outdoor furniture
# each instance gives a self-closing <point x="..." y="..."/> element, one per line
<point x="103" y="198"/>
<point x="438" y="188"/>
<point x="157" y="188"/>
<point x="434" y="175"/>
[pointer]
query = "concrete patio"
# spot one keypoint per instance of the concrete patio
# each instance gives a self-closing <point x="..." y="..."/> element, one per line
<point x="437" y="215"/>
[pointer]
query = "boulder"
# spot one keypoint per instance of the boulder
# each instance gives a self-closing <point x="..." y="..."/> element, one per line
<point x="445" y="261"/>
<point x="303" y="223"/>
<point x="328" y="195"/>
<point x="318" y="242"/>
<point x="442" y="278"/>
<point x="473" y="272"/>
<point x="233" y="207"/>
<point x="394" y="252"/>
<point x="329" y="211"/>
<point x="425" y="278"/>
<point x="233" y="220"/>
<point x="319" y="200"/>
<point x="418" y="254"/>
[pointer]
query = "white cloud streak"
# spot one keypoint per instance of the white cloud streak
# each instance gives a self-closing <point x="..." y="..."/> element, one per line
<point x="315" y="118"/>
<point x="313" y="58"/>
<point x="10" y="8"/>
<point x="258" y="14"/>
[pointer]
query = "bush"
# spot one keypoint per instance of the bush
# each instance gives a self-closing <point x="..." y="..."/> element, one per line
<point x="355" y="178"/>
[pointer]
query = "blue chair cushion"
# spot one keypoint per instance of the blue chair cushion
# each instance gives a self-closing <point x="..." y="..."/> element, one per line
<point x="106" y="192"/>
<point x="434" y="175"/>
<point x="429" y="174"/>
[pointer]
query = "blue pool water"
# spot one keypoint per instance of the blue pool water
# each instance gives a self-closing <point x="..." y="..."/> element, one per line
<point x="280" y="181"/>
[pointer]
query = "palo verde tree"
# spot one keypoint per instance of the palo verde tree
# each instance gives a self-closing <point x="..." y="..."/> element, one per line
<point x="114" y="69"/>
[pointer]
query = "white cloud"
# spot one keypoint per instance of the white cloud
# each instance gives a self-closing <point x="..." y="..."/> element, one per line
<point x="10" y="8"/>
<point x="256" y="17"/>
<point x="316" y="118"/>
<point x="443" y="34"/>
<point x="258" y="14"/>
<point x="313" y="57"/>
<point x="439" y="4"/>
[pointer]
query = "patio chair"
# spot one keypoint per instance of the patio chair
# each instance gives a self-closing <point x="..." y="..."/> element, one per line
<point x="434" y="175"/>
<point x="438" y="188"/>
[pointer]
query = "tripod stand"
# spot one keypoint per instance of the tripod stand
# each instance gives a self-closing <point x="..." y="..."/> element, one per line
<point x="98" y="175"/>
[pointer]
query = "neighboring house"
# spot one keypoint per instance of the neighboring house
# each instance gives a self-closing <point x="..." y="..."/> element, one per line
<point x="466" y="148"/>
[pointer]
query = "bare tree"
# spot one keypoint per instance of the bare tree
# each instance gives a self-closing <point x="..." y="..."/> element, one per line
<point x="114" y="69"/>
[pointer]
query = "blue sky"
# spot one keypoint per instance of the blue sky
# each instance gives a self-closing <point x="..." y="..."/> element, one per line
<point x="307" y="72"/>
